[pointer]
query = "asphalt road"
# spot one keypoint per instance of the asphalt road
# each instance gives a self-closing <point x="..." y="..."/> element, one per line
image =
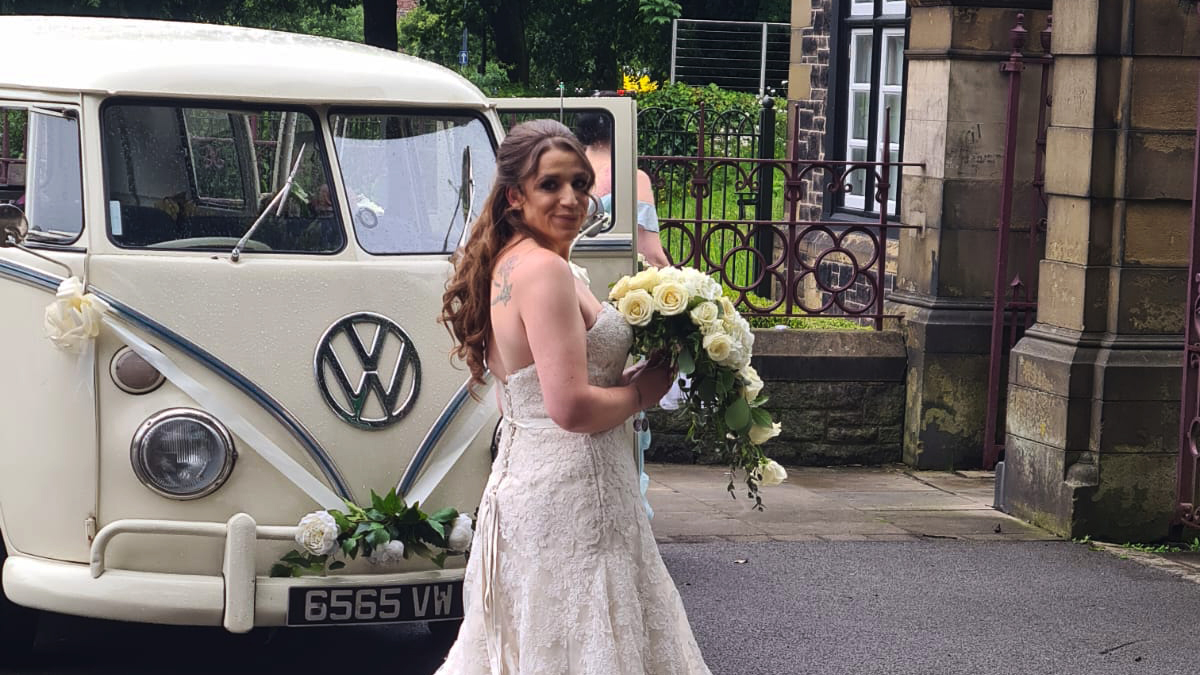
<point x="895" y="608"/>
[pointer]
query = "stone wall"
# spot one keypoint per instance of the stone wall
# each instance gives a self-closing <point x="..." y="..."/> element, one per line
<point x="838" y="394"/>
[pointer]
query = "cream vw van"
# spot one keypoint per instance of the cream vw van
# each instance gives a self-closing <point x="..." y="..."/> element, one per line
<point x="261" y="225"/>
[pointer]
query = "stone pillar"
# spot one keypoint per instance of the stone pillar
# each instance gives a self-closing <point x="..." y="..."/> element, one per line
<point x="808" y="93"/>
<point x="955" y="124"/>
<point x="1093" y="401"/>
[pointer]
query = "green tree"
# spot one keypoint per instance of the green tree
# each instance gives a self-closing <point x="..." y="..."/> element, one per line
<point x="342" y="19"/>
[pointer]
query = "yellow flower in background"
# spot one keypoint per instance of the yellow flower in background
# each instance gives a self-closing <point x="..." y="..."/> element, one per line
<point x="641" y="84"/>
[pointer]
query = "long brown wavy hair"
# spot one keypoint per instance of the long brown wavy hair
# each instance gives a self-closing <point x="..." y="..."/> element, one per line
<point x="466" y="304"/>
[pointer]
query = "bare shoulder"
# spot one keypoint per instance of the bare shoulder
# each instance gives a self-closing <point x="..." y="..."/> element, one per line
<point x="526" y="269"/>
<point x="645" y="187"/>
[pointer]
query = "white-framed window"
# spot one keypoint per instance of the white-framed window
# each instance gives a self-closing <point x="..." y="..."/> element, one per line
<point x="868" y="8"/>
<point x="873" y="76"/>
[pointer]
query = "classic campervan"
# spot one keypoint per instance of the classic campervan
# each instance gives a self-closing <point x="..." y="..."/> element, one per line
<point x="223" y="256"/>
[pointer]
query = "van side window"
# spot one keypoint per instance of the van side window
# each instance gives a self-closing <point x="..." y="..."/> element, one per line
<point x="197" y="178"/>
<point x="407" y="175"/>
<point x="40" y="170"/>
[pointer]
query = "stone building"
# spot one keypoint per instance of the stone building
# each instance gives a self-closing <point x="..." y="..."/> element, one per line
<point x="1090" y="419"/>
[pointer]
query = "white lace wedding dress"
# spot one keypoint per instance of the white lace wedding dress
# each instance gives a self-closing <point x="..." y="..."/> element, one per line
<point x="564" y="574"/>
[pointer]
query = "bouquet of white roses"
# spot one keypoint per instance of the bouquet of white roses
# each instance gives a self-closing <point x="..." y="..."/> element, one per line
<point x="684" y="313"/>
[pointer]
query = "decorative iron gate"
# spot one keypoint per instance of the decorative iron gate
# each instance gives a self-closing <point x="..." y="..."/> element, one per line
<point x="1014" y="298"/>
<point x="774" y="262"/>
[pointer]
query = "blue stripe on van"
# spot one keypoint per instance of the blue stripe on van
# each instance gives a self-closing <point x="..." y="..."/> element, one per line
<point x="281" y="414"/>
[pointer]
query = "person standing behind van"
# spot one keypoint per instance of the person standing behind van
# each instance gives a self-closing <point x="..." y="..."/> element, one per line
<point x="594" y="130"/>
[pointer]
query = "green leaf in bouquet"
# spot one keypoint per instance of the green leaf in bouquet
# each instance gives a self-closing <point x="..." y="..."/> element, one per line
<point x="376" y="502"/>
<point x="436" y="527"/>
<point x="378" y="537"/>
<point x="393" y="503"/>
<point x="737" y="416"/>
<point x="350" y="546"/>
<point x="687" y="364"/>
<point x="762" y="398"/>
<point x="362" y="528"/>
<point x="760" y="417"/>
<point x="439" y="559"/>
<point x="336" y="565"/>
<point x="418" y="548"/>
<point x="294" y="558"/>
<point x="376" y="515"/>
<point x="724" y="381"/>
<point x="445" y="515"/>
<point x="343" y="523"/>
<point x="281" y="570"/>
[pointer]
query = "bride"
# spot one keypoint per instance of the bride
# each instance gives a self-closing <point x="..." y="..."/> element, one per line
<point x="564" y="574"/>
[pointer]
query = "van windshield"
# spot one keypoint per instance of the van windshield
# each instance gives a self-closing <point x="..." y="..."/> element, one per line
<point x="405" y="176"/>
<point x="181" y="177"/>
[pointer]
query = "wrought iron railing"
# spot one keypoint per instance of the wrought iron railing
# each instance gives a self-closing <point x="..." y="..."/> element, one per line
<point x="776" y="263"/>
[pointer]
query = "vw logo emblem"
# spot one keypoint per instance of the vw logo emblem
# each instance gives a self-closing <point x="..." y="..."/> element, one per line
<point x="367" y="370"/>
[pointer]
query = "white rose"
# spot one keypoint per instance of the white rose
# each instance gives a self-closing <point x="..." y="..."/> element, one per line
<point x="74" y="317"/>
<point x="670" y="298"/>
<point x="619" y="289"/>
<point x="391" y="552"/>
<point x="645" y="280"/>
<point x="718" y="346"/>
<point x="753" y="383"/>
<point x="461" y="533"/>
<point x="317" y="533"/>
<point x="704" y="313"/>
<point x="770" y="473"/>
<point x="727" y="308"/>
<point x="637" y="307"/>
<point x="760" y="435"/>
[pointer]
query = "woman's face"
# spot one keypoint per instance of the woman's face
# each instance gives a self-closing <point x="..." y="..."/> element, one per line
<point x="553" y="199"/>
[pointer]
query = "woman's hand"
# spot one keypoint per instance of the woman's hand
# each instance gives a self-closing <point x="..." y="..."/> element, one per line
<point x="652" y="380"/>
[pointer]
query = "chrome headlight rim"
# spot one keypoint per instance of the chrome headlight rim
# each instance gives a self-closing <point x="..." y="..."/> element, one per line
<point x="194" y="415"/>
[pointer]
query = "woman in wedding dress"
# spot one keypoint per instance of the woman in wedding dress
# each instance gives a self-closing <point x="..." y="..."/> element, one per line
<point x="564" y="575"/>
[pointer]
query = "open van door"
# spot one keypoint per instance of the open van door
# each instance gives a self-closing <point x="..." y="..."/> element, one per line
<point x="609" y="254"/>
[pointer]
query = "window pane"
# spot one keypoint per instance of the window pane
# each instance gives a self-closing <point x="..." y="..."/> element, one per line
<point x="860" y="112"/>
<point x="196" y="178"/>
<point x="54" y="191"/>
<point x="893" y="175"/>
<point x="863" y="7"/>
<point x="894" y="68"/>
<point x="405" y="176"/>
<point x="862" y="58"/>
<point x="891" y="103"/>
<point x="857" y="180"/>
<point x="214" y="150"/>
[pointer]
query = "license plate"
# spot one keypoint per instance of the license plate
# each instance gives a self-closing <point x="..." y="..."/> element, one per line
<point x="341" y="605"/>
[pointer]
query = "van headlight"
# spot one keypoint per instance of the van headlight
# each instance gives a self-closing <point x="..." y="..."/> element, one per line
<point x="182" y="453"/>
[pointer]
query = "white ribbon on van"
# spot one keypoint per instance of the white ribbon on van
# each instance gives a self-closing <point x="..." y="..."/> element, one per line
<point x="73" y="320"/>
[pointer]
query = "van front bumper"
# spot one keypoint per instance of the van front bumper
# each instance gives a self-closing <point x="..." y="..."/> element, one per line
<point x="238" y="599"/>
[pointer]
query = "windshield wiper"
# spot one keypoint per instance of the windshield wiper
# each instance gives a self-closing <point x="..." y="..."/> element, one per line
<point x="466" y="197"/>
<point x="50" y="236"/>
<point x="278" y="200"/>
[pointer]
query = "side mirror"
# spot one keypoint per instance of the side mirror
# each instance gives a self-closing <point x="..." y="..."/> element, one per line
<point x="14" y="227"/>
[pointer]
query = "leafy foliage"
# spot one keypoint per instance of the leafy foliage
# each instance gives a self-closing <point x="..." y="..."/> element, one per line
<point x="361" y="531"/>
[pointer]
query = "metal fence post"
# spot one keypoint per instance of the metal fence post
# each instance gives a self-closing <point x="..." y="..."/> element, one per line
<point x="764" y="243"/>
<point x="1013" y="66"/>
<point x="674" y="44"/>
<point x="762" y="63"/>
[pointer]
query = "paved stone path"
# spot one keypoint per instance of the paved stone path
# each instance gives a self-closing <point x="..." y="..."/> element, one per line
<point x="691" y="504"/>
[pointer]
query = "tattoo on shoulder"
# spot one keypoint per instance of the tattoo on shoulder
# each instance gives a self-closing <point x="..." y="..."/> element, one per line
<point x="504" y="284"/>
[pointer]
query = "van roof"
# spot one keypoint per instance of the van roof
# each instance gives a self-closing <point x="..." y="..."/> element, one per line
<point x="171" y="58"/>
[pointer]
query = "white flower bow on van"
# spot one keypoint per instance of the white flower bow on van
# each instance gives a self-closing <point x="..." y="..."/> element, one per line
<point x="74" y="317"/>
